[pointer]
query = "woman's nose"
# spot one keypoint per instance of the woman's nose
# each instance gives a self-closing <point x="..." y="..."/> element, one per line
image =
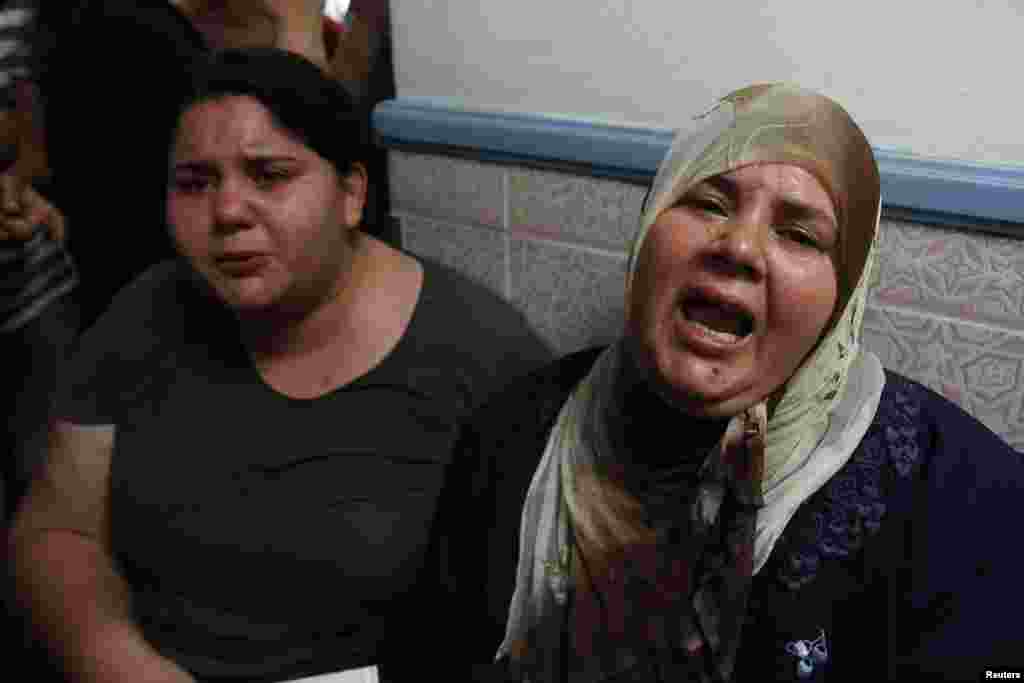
<point x="230" y="207"/>
<point x="737" y="248"/>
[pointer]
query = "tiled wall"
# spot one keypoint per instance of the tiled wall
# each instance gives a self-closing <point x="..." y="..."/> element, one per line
<point x="947" y="309"/>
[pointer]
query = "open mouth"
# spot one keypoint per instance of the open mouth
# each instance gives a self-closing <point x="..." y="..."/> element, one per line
<point x="718" y="320"/>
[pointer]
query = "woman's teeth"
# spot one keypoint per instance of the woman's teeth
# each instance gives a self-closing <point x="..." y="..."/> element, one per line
<point x="723" y="323"/>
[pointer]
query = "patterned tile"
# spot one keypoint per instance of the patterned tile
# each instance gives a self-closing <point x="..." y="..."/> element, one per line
<point x="979" y="368"/>
<point x="572" y="297"/>
<point x="446" y="188"/>
<point x="590" y="211"/>
<point x="947" y="308"/>
<point x="975" y="277"/>
<point x="473" y="251"/>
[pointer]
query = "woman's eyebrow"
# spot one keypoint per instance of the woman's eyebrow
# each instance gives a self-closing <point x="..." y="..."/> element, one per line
<point x="200" y="164"/>
<point x="792" y="203"/>
<point x="719" y="182"/>
<point x="194" y="165"/>
<point x="797" y="208"/>
<point x="257" y="157"/>
<point x="792" y="206"/>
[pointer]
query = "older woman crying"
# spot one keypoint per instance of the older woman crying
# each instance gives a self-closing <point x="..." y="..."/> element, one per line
<point x="737" y="490"/>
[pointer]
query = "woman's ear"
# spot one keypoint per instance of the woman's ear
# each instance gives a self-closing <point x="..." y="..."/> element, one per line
<point x="353" y="188"/>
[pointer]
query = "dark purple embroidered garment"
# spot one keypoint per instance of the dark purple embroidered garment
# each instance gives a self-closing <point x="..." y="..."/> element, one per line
<point x="900" y="562"/>
<point x="836" y="522"/>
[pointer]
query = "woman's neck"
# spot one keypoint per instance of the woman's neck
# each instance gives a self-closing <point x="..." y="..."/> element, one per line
<point x="645" y="429"/>
<point x="348" y="335"/>
<point x="315" y="323"/>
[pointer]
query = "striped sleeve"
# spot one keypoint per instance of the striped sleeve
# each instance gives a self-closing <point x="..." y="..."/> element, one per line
<point x="17" y="23"/>
<point x="33" y="274"/>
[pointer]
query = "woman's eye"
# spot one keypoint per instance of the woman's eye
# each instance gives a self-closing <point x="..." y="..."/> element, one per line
<point x="710" y="206"/>
<point x="190" y="184"/>
<point x="801" y="237"/>
<point x="268" y="177"/>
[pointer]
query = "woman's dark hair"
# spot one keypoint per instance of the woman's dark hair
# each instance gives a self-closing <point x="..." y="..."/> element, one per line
<point x="301" y="97"/>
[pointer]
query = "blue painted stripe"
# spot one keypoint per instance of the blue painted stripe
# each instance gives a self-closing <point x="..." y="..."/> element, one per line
<point x="939" y="190"/>
<point x="636" y="151"/>
<point x="986" y="192"/>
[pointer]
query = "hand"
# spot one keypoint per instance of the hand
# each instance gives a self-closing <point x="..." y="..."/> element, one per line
<point x="374" y="12"/>
<point x="22" y="210"/>
<point x="121" y="655"/>
<point x="293" y="25"/>
<point x="300" y="28"/>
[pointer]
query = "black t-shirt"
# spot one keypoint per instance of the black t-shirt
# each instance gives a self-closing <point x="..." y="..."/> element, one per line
<point x="269" y="536"/>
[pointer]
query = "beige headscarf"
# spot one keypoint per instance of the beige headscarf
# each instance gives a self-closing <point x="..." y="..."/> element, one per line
<point x="822" y="411"/>
<point x="780" y="123"/>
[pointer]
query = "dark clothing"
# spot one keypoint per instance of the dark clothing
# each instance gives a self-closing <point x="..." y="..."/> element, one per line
<point x="380" y="86"/>
<point x="907" y="559"/>
<point x="36" y="353"/>
<point x="116" y="74"/>
<point x="269" y="537"/>
<point x="37" y="321"/>
<point x="34" y="274"/>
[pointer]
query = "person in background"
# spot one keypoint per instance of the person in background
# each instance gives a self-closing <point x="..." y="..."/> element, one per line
<point x="359" y="48"/>
<point x="244" y="468"/>
<point x="37" y="323"/>
<point x="360" y="58"/>
<point x="737" y="490"/>
<point x="36" y="272"/>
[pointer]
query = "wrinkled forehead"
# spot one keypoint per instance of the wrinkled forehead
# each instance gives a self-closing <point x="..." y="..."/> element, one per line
<point x="784" y="125"/>
<point x="233" y="126"/>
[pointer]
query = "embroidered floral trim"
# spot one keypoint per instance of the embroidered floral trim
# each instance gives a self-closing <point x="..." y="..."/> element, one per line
<point x="837" y="519"/>
<point x="809" y="654"/>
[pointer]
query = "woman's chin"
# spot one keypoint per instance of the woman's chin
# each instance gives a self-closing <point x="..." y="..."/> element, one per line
<point x="706" y="387"/>
<point x="702" y="374"/>
<point x="243" y="296"/>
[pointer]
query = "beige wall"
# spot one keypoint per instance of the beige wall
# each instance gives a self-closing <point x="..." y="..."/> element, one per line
<point x="931" y="78"/>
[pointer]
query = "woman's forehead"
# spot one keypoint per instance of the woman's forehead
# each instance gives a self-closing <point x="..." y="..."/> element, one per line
<point x="232" y="124"/>
<point x="789" y="183"/>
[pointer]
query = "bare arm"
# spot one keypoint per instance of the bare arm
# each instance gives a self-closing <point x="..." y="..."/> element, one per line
<point x="64" y="572"/>
<point x="300" y="28"/>
<point x="33" y="160"/>
<point x="293" y="25"/>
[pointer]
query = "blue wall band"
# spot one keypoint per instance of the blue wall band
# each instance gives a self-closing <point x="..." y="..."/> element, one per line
<point x="928" y="190"/>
